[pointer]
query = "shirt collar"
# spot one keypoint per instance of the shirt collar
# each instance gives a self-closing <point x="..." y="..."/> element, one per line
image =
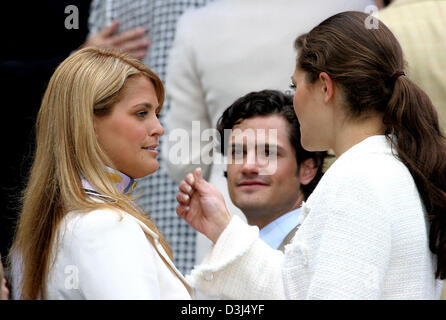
<point x="122" y="182"/>
<point x="274" y="232"/>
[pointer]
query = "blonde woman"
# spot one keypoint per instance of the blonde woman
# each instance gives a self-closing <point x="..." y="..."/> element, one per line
<point x="80" y="234"/>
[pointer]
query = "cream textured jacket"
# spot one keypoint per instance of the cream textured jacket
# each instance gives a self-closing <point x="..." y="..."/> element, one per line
<point x="364" y="235"/>
<point x="105" y="254"/>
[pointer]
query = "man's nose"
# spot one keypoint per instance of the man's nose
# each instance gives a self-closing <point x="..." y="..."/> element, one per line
<point x="250" y="164"/>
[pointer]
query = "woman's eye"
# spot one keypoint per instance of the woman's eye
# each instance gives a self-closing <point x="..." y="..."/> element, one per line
<point x="158" y="115"/>
<point x="141" y="114"/>
<point x="293" y="86"/>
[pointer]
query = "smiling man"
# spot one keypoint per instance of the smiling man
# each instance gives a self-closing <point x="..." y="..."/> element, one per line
<point x="269" y="173"/>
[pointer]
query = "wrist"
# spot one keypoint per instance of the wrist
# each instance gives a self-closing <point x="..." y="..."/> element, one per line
<point x="220" y="228"/>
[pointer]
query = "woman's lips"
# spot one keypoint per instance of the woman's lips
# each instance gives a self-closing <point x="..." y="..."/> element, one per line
<point x="151" y="149"/>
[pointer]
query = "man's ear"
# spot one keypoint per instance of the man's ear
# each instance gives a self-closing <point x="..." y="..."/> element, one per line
<point x="307" y="171"/>
<point x="328" y="87"/>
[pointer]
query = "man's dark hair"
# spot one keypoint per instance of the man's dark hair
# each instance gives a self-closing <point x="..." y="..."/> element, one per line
<point x="266" y="103"/>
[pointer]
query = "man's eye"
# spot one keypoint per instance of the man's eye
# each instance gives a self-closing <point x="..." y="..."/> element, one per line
<point x="269" y="152"/>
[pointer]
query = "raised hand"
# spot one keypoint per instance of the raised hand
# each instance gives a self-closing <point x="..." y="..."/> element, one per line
<point x="202" y="206"/>
<point x="134" y="41"/>
<point x="5" y="291"/>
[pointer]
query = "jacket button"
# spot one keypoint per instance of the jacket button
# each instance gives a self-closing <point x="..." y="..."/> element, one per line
<point x="208" y="276"/>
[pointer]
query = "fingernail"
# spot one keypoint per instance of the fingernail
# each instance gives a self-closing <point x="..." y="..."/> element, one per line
<point x="190" y="178"/>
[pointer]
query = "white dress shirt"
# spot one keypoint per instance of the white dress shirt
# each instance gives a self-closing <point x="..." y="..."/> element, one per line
<point x="276" y="231"/>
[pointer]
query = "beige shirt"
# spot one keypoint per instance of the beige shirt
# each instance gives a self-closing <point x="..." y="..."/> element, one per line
<point x="420" y="27"/>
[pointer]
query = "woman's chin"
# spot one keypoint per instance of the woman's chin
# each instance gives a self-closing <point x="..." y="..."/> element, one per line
<point x="313" y="146"/>
<point x="145" y="172"/>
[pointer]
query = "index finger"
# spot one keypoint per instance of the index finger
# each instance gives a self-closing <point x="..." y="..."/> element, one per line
<point x="128" y="35"/>
<point x="186" y="188"/>
<point x="190" y="179"/>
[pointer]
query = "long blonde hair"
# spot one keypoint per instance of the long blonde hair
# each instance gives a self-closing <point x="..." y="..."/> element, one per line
<point x="90" y="80"/>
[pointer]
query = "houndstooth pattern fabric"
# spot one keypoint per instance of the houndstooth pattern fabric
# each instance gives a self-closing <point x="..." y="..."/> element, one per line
<point x="157" y="191"/>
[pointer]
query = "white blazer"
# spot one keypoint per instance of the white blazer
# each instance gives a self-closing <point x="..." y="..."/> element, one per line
<point x="105" y="254"/>
<point x="363" y="235"/>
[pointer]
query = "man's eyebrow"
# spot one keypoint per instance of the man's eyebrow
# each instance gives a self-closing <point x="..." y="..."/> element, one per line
<point x="273" y="145"/>
<point x="237" y="144"/>
<point x="267" y="145"/>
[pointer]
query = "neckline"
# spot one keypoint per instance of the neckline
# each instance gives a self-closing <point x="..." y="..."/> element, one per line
<point x="122" y="182"/>
<point x="371" y="144"/>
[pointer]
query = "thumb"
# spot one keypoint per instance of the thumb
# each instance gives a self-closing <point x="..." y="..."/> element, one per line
<point x="200" y="183"/>
<point x="198" y="174"/>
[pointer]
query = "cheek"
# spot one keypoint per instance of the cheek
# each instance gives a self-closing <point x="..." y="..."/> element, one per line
<point x="286" y="171"/>
<point x="231" y="173"/>
<point x="295" y="103"/>
<point x="136" y="135"/>
<point x="130" y="131"/>
<point x="299" y="106"/>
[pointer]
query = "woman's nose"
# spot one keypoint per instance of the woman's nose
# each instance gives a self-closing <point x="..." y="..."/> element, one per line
<point x="155" y="128"/>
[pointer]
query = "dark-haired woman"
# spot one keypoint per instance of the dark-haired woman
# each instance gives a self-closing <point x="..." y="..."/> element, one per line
<point x="374" y="227"/>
